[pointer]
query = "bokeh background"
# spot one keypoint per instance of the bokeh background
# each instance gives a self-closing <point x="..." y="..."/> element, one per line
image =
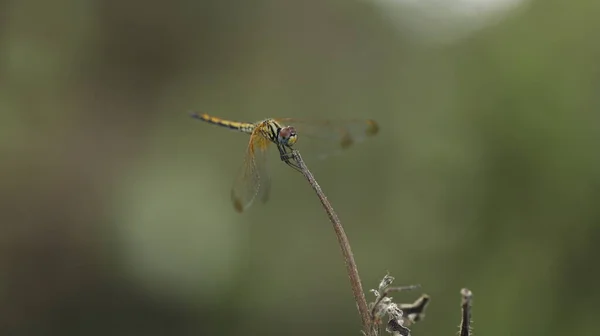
<point x="115" y="217"/>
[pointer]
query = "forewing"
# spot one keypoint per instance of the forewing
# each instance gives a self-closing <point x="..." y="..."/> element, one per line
<point x="328" y="137"/>
<point x="253" y="179"/>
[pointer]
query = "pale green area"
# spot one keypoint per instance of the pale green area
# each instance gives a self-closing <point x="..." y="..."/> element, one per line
<point x="115" y="215"/>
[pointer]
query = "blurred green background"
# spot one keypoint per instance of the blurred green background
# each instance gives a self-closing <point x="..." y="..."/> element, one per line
<point x="115" y="215"/>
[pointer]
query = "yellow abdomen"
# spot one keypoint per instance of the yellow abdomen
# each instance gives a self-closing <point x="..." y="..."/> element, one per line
<point x="234" y="125"/>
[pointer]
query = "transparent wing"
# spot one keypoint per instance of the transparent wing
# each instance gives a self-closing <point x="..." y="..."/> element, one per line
<point x="253" y="179"/>
<point x="327" y="137"/>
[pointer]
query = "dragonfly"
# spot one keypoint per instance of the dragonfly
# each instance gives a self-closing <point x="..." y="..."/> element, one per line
<point x="253" y="180"/>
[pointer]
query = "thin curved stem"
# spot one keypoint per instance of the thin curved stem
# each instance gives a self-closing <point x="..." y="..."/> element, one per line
<point x="351" y="268"/>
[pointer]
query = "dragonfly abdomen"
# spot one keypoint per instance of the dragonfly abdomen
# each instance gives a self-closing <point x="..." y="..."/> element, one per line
<point x="234" y="125"/>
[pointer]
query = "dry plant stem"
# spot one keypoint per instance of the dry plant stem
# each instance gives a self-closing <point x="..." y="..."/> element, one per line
<point x="385" y="294"/>
<point x="359" y="295"/>
<point x="465" y="323"/>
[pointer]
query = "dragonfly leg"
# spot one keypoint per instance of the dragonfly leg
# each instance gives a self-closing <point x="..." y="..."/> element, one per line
<point x="288" y="158"/>
<point x="293" y="164"/>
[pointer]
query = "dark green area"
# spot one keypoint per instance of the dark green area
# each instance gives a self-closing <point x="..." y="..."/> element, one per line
<point x="115" y="215"/>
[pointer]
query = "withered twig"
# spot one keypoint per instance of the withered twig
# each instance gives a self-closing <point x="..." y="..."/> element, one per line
<point x="465" y="323"/>
<point x="385" y="293"/>
<point x="351" y="268"/>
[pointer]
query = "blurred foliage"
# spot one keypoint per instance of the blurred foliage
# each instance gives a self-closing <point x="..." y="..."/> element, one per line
<point x="115" y="216"/>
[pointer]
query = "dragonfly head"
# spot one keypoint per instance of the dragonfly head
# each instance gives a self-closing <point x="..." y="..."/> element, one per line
<point x="287" y="136"/>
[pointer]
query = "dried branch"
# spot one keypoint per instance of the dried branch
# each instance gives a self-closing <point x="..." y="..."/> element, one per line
<point x="385" y="293"/>
<point x="415" y="312"/>
<point x="465" y="323"/>
<point x="351" y="268"/>
<point x="398" y="315"/>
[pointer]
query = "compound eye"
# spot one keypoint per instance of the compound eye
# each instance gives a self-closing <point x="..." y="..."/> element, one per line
<point x="287" y="136"/>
